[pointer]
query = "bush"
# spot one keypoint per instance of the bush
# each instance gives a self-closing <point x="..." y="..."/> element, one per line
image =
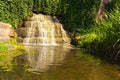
<point x="87" y="39"/>
<point x="14" y="11"/>
<point x="107" y="40"/>
<point x="52" y="7"/>
<point x="111" y="28"/>
<point x="81" y="13"/>
<point x="73" y="12"/>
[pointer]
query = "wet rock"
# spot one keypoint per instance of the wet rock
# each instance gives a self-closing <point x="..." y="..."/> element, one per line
<point x="22" y="32"/>
<point x="4" y="38"/>
<point x="19" y="39"/>
<point x="27" y="24"/>
<point x="77" y="37"/>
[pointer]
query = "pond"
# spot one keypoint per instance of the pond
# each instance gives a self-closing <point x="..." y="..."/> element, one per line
<point x="59" y="63"/>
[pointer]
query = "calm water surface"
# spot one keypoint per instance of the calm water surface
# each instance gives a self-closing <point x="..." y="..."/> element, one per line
<point x="59" y="63"/>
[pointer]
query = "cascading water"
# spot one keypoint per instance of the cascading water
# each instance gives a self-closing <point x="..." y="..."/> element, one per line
<point x="45" y="30"/>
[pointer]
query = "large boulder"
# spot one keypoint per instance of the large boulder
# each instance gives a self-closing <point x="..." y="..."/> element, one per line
<point x="6" y="32"/>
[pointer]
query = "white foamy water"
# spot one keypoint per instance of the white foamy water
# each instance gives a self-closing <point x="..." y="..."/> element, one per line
<point x="44" y="30"/>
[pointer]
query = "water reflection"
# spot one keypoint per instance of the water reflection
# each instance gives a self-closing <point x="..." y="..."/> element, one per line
<point x="59" y="63"/>
<point x="40" y="58"/>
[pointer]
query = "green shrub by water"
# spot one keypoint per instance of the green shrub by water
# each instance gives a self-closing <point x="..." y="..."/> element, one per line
<point x="106" y="35"/>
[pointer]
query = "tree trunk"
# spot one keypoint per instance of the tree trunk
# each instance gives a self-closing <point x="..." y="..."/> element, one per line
<point x="101" y="11"/>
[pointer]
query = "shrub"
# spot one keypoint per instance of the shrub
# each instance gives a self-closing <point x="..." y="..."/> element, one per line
<point x="111" y="28"/>
<point x="108" y="35"/>
<point x="87" y="39"/>
<point x="73" y="12"/>
<point x="14" y="11"/>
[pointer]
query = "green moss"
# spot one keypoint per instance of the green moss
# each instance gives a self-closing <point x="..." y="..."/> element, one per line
<point x="3" y="47"/>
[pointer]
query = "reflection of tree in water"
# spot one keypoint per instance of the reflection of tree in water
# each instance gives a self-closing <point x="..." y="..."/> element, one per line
<point x="17" y="72"/>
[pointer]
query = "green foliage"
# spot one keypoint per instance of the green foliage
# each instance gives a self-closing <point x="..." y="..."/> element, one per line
<point x="53" y="7"/>
<point x="110" y="6"/>
<point x="87" y="39"/>
<point x="74" y="13"/>
<point x="13" y="11"/>
<point x="11" y="44"/>
<point x="3" y="47"/>
<point x="107" y="40"/>
<point x="111" y="28"/>
<point x="81" y="13"/>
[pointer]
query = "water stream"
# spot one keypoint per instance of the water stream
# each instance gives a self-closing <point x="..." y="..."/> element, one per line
<point x="49" y="56"/>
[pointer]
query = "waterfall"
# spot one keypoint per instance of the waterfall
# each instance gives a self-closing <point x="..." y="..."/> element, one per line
<point x="45" y="30"/>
